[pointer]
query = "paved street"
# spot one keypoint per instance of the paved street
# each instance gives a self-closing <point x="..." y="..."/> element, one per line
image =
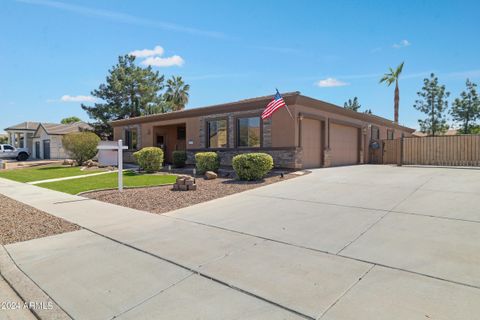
<point x="361" y="242"/>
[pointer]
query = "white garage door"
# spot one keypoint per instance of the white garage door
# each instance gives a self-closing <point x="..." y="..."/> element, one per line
<point x="311" y="143"/>
<point x="343" y="144"/>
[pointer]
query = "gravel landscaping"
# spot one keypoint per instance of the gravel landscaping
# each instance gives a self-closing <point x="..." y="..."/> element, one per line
<point x="20" y="222"/>
<point x="163" y="199"/>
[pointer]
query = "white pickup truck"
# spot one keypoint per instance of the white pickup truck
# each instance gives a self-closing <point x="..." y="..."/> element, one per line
<point x="9" y="152"/>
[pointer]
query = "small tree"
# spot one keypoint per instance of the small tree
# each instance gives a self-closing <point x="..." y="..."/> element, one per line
<point x="353" y="105"/>
<point x="3" y="139"/>
<point x="466" y="108"/>
<point x="69" y="120"/>
<point x="433" y="102"/>
<point x="81" y="146"/>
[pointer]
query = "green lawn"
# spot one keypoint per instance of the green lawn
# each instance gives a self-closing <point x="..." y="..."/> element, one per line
<point x="44" y="173"/>
<point x="110" y="180"/>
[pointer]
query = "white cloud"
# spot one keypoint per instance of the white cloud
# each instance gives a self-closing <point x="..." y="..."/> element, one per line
<point x="401" y="44"/>
<point x="158" y="50"/>
<point x="153" y="57"/>
<point x="69" y="98"/>
<point x="164" y="62"/>
<point x="331" y="82"/>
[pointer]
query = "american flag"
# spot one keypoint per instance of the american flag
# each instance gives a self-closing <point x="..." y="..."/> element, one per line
<point x="273" y="106"/>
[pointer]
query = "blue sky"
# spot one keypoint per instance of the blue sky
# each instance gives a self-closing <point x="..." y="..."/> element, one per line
<point x="53" y="53"/>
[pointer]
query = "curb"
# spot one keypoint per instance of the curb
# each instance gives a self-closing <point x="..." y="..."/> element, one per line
<point x="80" y="194"/>
<point x="27" y="290"/>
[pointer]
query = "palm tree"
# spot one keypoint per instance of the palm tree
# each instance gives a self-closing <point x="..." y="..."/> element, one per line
<point x="177" y="93"/>
<point x="389" y="78"/>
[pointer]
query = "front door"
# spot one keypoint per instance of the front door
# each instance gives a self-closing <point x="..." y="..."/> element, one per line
<point x="161" y="143"/>
<point x="46" y="149"/>
<point x="37" y="149"/>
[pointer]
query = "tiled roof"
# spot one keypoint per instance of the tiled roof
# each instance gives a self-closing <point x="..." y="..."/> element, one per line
<point x="55" y="128"/>
<point x="27" y="125"/>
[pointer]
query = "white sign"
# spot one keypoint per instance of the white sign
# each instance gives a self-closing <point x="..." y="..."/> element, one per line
<point x="118" y="148"/>
<point x="108" y="157"/>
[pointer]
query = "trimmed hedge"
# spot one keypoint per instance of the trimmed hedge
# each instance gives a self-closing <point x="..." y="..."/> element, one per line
<point x="179" y="158"/>
<point x="150" y="158"/>
<point x="252" y="166"/>
<point x="207" y="161"/>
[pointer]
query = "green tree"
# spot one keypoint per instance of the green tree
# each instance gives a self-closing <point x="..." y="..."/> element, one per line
<point x="69" y="120"/>
<point x="3" y="139"/>
<point x="389" y="78"/>
<point x="177" y="93"/>
<point x="433" y="102"/>
<point x="352" y="104"/>
<point x="81" y="146"/>
<point x="129" y="91"/>
<point x="466" y="108"/>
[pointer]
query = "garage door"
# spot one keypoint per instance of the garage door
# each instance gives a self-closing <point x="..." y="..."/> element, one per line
<point x="343" y="144"/>
<point x="311" y="143"/>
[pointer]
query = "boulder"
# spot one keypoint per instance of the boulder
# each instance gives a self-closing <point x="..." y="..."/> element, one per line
<point x="69" y="162"/>
<point x="209" y="175"/>
<point x="90" y="163"/>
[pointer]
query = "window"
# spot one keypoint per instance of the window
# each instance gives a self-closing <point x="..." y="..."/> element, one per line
<point x="390" y="134"/>
<point x="217" y="134"/>
<point x="131" y="138"/>
<point x="7" y="147"/>
<point x="248" y="132"/>
<point x="375" y="133"/>
<point x="181" y="133"/>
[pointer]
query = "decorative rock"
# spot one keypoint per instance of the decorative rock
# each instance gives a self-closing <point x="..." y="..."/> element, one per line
<point x="90" y="163"/>
<point x="185" y="183"/>
<point x="210" y="175"/>
<point x="69" y="162"/>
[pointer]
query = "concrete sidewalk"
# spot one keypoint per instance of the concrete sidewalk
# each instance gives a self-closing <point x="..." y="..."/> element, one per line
<point x="357" y="242"/>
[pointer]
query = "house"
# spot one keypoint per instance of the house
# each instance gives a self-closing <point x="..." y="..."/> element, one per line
<point x="20" y="135"/>
<point x="449" y="132"/>
<point x="43" y="140"/>
<point x="318" y="134"/>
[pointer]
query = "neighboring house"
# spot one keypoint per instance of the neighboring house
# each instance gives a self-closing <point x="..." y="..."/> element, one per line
<point x="449" y="132"/>
<point x="43" y="140"/>
<point x="320" y="134"/>
<point x="21" y="135"/>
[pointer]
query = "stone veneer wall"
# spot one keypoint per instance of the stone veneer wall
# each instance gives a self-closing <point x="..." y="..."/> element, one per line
<point x="282" y="157"/>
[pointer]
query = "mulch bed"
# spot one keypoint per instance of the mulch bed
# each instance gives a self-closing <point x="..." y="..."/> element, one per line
<point x="164" y="199"/>
<point x="19" y="222"/>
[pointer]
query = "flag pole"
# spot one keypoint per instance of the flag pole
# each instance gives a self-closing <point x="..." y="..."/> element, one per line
<point x="286" y="105"/>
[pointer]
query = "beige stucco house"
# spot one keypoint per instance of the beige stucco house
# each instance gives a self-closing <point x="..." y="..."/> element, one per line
<point x="43" y="140"/>
<point x="318" y="134"/>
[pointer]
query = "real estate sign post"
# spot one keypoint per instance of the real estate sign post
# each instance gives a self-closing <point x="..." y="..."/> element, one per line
<point x="119" y="147"/>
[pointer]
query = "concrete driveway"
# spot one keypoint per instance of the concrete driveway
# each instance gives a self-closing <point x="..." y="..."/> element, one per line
<point x="361" y="242"/>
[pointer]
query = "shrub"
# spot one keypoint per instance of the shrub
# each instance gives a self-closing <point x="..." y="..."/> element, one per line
<point x="179" y="158"/>
<point x="150" y="159"/>
<point x="81" y="146"/>
<point x="207" y="161"/>
<point x="252" y="166"/>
